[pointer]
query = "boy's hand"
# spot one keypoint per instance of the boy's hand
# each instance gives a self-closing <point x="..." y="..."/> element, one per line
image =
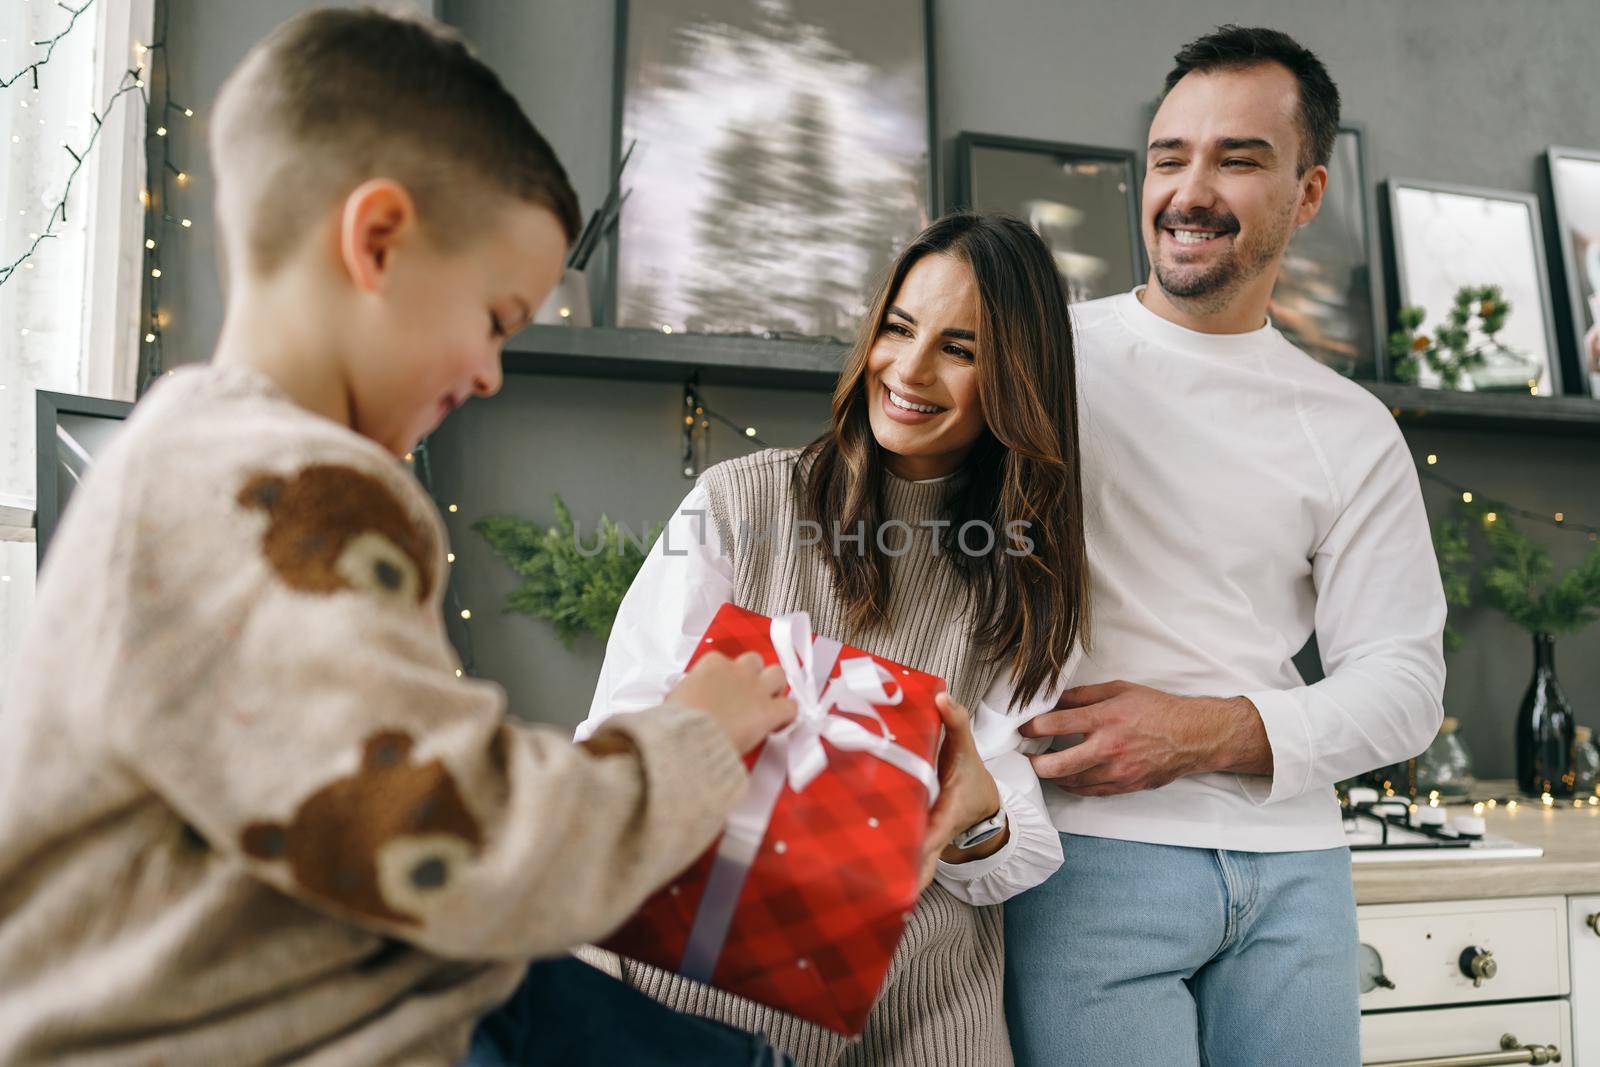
<point x="743" y="697"/>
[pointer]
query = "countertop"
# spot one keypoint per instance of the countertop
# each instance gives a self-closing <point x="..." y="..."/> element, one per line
<point x="1570" y="865"/>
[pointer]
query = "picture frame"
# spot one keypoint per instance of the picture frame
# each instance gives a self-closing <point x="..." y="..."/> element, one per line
<point x="1069" y="194"/>
<point x="1572" y="180"/>
<point x="1445" y="236"/>
<point x="70" y="430"/>
<point x="1329" y="297"/>
<point x="735" y="275"/>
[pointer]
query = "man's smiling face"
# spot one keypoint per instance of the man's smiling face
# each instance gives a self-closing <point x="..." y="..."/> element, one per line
<point x="1222" y="195"/>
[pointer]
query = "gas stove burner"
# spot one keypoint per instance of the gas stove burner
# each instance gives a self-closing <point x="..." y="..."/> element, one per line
<point x="1388" y="829"/>
<point x="1426" y="828"/>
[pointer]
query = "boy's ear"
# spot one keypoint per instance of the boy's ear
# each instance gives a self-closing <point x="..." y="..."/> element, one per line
<point x="378" y="215"/>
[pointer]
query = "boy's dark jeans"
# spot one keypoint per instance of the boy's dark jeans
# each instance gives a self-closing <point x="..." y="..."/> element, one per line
<point x="566" y="1012"/>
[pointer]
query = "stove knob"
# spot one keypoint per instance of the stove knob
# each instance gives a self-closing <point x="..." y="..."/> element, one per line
<point x="1470" y="825"/>
<point x="1478" y="964"/>
<point x="1371" y="970"/>
<point x="1428" y="817"/>
<point x="1360" y="794"/>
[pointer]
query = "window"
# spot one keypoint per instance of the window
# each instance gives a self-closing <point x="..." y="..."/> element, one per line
<point x="71" y="226"/>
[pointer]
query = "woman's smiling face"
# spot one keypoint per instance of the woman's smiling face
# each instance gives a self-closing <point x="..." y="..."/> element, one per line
<point x="922" y="387"/>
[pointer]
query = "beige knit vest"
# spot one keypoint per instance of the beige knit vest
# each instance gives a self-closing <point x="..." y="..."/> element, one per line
<point x="942" y="1001"/>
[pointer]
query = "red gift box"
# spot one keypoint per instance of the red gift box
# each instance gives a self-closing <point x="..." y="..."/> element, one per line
<point x="801" y="901"/>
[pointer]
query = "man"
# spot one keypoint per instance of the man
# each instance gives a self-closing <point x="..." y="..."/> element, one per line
<point x="1240" y="497"/>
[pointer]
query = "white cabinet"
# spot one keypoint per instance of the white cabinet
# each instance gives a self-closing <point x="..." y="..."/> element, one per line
<point x="1486" y="980"/>
<point x="1428" y="949"/>
<point x="1415" y="1037"/>
<point x="1583" y="925"/>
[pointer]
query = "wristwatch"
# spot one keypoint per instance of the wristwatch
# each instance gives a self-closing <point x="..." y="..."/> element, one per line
<point x="978" y="833"/>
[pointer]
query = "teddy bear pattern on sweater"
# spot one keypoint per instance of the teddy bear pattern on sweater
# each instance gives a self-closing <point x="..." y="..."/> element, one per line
<point x="383" y="842"/>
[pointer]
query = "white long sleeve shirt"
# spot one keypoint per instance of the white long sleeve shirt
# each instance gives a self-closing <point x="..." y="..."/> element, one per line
<point x="687" y="576"/>
<point x="1239" y="496"/>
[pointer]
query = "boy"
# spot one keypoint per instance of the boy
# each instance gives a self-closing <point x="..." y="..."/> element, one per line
<point x="251" y="812"/>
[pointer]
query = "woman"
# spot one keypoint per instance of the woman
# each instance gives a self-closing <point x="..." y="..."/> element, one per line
<point x="954" y="433"/>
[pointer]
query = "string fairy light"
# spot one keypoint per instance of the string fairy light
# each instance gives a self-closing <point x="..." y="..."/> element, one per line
<point x="697" y="419"/>
<point x="157" y="200"/>
<point x="1498" y="507"/>
<point x="31" y="71"/>
<point x="132" y="81"/>
<point x="422" y="467"/>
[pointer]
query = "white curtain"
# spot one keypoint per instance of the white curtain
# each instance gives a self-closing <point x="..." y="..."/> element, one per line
<point x="69" y="312"/>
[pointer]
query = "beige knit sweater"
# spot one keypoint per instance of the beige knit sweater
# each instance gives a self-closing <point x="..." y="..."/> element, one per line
<point x="941" y="1003"/>
<point x="248" y="812"/>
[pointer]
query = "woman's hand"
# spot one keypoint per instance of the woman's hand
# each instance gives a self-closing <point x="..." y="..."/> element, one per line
<point x="967" y="794"/>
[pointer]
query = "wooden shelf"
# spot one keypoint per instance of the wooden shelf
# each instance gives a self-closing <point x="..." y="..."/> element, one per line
<point x="646" y="355"/>
<point x="1572" y="416"/>
<point x="603" y="352"/>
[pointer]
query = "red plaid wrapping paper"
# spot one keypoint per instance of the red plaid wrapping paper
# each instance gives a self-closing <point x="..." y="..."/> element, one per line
<point x="828" y="893"/>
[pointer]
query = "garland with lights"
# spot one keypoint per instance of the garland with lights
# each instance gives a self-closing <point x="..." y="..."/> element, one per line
<point x="697" y="417"/>
<point x="157" y="200"/>
<point x="1557" y="520"/>
<point x="132" y="82"/>
<point x="422" y="467"/>
<point x="49" y="43"/>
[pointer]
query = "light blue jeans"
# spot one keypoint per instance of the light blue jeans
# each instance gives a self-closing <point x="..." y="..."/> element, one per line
<point x="1140" y="954"/>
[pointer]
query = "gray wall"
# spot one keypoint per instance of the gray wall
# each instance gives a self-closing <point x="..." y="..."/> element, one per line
<point x="1468" y="91"/>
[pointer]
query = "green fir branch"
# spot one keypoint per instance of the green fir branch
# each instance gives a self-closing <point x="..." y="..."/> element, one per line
<point x="1454" y="550"/>
<point x="1518" y="580"/>
<point x="577" y="583"/>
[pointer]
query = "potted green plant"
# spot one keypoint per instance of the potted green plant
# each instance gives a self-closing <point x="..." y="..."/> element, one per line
<point x="1465" y="342"/>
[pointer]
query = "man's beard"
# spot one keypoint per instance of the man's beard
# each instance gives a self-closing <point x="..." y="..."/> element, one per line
<point x="1215" y="284"/>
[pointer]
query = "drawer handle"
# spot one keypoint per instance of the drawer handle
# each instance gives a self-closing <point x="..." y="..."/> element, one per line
<point x="1594" y="922"/>
<point x="1511" y="1051"/>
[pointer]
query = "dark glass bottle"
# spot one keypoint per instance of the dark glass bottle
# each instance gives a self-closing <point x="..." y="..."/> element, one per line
<point x="1546" y="730"/>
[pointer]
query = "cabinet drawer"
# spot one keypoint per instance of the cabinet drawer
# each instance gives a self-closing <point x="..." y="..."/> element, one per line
<point x="1585" y="977"/>
<point x="1423" y="948"/>
<point x="1417" y="1036"/>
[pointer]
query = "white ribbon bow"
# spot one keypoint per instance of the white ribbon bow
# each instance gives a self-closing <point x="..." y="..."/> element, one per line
<point x="858" y="688"/>
<point x="795" y="754"/>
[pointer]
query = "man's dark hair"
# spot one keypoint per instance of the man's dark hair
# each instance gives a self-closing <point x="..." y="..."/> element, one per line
<point x="1234" y="47"/>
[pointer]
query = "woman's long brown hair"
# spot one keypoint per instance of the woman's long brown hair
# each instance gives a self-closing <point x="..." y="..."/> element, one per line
<point x="1033" y="607"/>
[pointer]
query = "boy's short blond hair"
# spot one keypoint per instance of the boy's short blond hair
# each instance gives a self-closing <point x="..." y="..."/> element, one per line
<point x="335" y="97"/>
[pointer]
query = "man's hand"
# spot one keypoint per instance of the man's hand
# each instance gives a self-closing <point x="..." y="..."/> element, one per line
<point x="1135" y="738"/>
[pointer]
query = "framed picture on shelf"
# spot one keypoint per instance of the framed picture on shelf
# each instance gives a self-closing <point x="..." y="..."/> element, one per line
<point x="1328" y="295"/>
<point x="782" y="156"/>
<point x="70" y="433"/>
<point x="1083" y="201"/>
<point x="1573" y="175"/>
<point x="1449" y="237"/>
